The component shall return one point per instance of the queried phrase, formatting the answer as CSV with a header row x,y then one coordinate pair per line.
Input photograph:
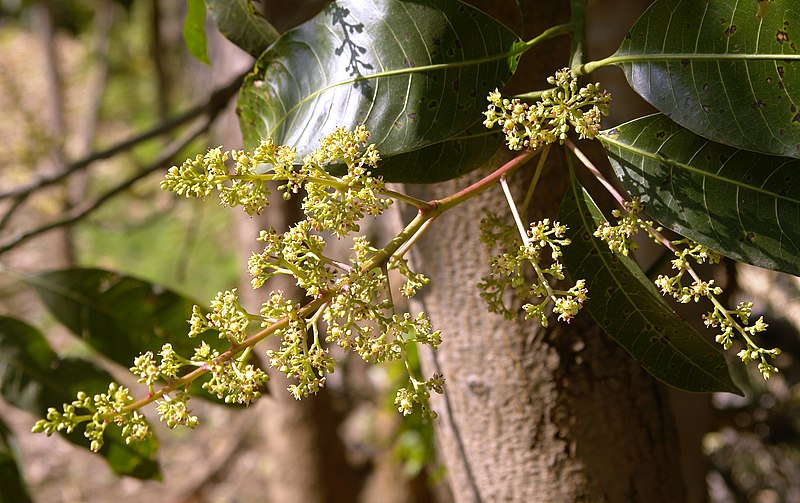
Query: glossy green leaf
x,y
720,70
118,315
631,311
743,204
14,488
441,161
243,25
33,378
194,30
416,73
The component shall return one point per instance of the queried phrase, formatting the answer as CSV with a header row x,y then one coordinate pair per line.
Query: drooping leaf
x,y
728,70
743,204
416,73
631,311
33,378
118,315
14,488
194,30
121,316
243,24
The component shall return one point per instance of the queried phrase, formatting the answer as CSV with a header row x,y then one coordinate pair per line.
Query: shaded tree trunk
x,y
560,415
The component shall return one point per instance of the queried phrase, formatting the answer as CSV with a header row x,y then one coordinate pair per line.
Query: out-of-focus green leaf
x,y
33,378
121,316
743,204
416,73
631,311
14,489
243,25
194,30
728,70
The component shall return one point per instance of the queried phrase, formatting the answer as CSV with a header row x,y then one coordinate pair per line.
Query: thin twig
x,y
78,212
211,108
595,172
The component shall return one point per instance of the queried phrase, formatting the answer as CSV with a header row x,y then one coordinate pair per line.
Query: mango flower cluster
x,y
529,267
548,120
729,322
351,304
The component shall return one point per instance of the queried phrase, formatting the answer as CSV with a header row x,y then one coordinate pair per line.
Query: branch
x,y
78,212
211,108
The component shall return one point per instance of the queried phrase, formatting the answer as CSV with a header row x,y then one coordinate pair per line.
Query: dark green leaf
x,y
33,378
451,158
631,311
416,73
743,204
14,488
243,25
194,30
720,70
118,315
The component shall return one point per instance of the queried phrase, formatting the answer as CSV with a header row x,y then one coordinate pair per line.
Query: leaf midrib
x,y
620,59
521,48
649,155
661,305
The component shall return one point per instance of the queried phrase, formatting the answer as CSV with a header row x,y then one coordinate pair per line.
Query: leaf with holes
x,y
416,73
725,69
743,204
631,311
33,378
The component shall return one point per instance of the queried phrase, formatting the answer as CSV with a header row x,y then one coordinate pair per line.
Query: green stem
x,y
587,68
533,95
535,181
552,32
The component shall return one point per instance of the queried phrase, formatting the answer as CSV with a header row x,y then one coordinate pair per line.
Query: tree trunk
x,y
560,415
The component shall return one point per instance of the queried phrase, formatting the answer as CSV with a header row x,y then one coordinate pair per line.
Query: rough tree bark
x,y
560,415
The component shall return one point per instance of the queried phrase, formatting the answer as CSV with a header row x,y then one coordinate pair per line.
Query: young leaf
x,y
743,204
243,25
727,70
194,30
33,378
14,488
416,73
631,311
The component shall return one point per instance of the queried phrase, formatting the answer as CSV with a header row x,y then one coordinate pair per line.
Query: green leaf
x,y
450,158
14,488
194,30
720,70
416,73
631,311
33,378
119,316
743,204
243,25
